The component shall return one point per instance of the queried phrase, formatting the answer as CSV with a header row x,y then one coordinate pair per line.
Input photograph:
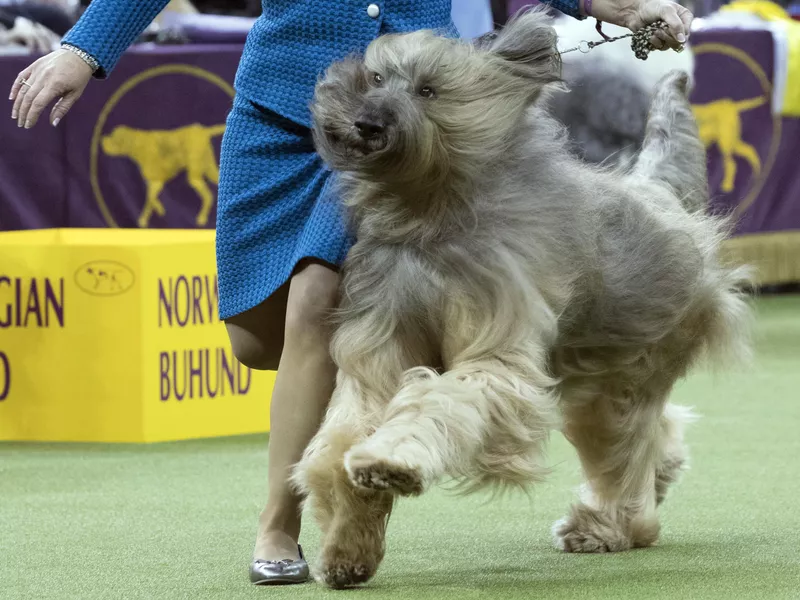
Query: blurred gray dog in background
x,y
609,90
501,288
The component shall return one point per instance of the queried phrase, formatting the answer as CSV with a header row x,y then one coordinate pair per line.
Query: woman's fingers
x,y
39,104
24,90
34,96
686,17
657,41
677,29
662,40
18,85
62,107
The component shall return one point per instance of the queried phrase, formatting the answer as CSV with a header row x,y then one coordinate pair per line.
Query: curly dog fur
x,y
501,288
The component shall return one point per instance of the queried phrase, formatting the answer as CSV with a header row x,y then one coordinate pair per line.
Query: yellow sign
x,y
113,336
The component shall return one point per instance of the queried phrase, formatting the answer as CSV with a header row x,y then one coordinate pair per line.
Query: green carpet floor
x,y
177,520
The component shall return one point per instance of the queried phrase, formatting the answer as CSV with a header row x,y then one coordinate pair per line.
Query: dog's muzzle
x,y
364,140
370,129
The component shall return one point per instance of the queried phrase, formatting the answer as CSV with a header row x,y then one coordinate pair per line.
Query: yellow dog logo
x,y
162,155
720,123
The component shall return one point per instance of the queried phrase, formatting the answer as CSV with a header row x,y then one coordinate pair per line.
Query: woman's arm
x,y
109,27
104,32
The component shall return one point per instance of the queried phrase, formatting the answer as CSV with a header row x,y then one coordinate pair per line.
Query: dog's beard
x,y
407,151
353,146
344,149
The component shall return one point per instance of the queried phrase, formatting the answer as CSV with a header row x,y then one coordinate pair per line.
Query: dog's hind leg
x,y
353,521
206,169
483,420
630,443
672,152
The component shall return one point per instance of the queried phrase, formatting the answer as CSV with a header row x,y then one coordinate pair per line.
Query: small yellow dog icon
x,y
162,155
720,123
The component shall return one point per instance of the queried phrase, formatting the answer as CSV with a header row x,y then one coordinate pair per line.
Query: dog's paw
x,y
372,473
350,562
385,476
343,575
588,531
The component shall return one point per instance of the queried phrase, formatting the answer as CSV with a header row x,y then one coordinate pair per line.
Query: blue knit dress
x,y
275,205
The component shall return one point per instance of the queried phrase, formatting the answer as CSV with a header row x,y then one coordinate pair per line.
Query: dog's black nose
x,y
369,129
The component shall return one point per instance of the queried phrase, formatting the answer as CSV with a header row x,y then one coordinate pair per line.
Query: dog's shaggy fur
x,y
501,288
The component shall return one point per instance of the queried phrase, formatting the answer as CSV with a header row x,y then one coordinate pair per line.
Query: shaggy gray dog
x,y
501,288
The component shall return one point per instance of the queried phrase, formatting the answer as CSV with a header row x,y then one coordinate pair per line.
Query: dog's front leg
x,y
485,420
354,544
353,521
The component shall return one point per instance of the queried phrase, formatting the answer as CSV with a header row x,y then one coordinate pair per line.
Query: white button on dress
x,y
374,11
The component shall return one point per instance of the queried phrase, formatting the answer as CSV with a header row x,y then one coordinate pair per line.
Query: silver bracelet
x,y
85,56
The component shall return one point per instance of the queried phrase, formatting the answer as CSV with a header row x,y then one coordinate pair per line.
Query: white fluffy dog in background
x,y
501,287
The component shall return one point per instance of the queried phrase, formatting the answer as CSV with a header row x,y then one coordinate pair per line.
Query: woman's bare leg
x,y
299,348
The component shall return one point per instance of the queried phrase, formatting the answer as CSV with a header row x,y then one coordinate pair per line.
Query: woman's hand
x,y
60,75
635,14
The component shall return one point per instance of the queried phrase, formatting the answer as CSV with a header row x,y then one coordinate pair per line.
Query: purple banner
x,y
142,149
138,150
752,153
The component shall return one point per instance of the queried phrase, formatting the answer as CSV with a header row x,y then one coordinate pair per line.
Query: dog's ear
x,y
527,44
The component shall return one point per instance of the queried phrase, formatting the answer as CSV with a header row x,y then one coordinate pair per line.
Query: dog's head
x,y
419,104
118,141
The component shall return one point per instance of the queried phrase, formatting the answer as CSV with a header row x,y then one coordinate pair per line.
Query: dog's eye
x,y
427,92
377,79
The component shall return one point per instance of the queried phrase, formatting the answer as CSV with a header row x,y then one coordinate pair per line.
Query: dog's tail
x,y
672,152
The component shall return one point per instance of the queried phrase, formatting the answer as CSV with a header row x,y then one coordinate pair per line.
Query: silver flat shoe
x,y
280,572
